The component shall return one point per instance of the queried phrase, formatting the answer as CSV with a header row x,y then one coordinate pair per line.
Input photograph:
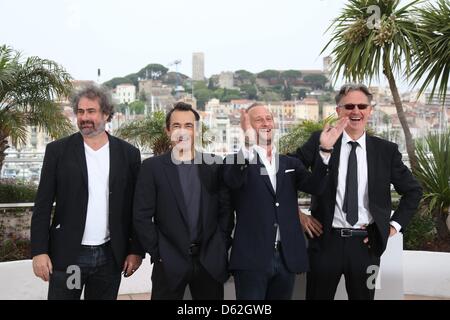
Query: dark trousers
x,y
201,284
339,256
95,271
276,283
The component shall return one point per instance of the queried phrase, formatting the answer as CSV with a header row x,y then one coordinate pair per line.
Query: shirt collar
x,y
361,141
262,152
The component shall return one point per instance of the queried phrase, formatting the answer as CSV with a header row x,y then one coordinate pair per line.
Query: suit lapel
x,y
80,156
334,160
280,167
174,181
371,158
262,171
115,158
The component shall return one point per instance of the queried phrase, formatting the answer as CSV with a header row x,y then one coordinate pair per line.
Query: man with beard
x,y
91,176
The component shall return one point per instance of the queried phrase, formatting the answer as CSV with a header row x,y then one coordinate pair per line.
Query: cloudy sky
x,y
120,37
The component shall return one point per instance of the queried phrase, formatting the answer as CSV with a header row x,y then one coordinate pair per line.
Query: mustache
x,y
82,123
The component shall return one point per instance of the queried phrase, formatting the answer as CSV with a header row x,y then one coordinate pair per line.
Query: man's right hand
x,y
249,132
42,266
311,225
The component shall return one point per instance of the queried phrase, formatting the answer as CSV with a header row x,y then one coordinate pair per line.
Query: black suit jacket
x,y
259,209
385,167
160,211
64,179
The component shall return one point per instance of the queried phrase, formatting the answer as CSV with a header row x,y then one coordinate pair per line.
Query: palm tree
x,y
27,98
432,61
300,133
363,48
149,133
433,171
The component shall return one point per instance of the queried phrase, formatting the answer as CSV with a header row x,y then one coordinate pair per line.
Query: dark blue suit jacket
x,y
259,209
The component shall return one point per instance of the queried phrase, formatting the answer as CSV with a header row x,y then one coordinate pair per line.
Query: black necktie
x,y
350,205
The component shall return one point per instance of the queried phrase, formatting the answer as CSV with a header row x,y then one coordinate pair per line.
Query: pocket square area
x,y
289,170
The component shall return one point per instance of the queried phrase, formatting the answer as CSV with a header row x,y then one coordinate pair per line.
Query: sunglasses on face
x,y
351,106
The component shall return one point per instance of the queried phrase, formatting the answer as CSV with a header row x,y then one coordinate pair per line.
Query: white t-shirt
x,y
96,231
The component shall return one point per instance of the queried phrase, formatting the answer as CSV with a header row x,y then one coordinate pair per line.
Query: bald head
x,y
261,119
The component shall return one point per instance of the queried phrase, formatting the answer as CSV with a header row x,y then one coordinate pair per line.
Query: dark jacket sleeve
x,y
144,210
135,246
312,182
226,218
235,171
407,187
308,152
43,204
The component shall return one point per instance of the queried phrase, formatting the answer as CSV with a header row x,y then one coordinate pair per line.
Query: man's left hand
x,y
392,232
131,264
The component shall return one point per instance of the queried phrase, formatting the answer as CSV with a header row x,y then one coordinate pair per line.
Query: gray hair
x,y
94,92
346,88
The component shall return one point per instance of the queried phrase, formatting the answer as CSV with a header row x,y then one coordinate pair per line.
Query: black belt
x,y
194,249
97,246
346,232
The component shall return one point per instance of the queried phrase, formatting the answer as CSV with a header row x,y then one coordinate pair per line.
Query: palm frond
x,y
433,155
431,65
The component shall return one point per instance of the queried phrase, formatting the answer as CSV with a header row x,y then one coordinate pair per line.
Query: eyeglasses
x,y
351,106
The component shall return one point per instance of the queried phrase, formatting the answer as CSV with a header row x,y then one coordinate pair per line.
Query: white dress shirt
x,y
364,216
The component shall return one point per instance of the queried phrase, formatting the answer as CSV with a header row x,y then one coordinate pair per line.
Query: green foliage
x,y
300,133
150,133
202,95
317,81
14,249
433,172
364,45
250,92
432,61
121,80
362,49
147,133
287,92
16,191
137,107
152,71
301,94
269,74
245,76
291,75
269,96
419,231
28,90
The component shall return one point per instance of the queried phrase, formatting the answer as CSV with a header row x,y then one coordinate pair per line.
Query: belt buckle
x,y
277,245
346,233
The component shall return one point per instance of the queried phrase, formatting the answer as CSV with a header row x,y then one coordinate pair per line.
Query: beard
x,y
88,128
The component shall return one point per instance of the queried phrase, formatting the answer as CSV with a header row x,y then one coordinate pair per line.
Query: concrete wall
x,y
427,273
424,273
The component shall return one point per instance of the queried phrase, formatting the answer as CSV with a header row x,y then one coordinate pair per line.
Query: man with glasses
x,y
351,221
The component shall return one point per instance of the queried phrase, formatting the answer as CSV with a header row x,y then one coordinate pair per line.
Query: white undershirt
x,y
96,231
